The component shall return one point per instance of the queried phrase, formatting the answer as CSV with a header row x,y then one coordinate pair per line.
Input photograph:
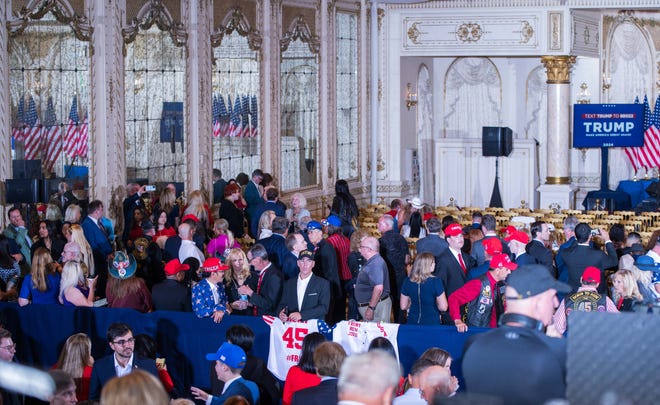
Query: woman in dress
x,y
230,212
47,238
76,359
298,210
75,289
9,272
626,291
422,294
223,240
42,285
304,374
238,275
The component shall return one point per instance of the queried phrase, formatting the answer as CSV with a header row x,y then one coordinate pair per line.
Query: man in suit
x,y
229,362
582,255
270,204
325,259
306,296
98,240
536,248
171,294
64,197
252,195
570,222
488,226
122,362
433,243
453,264
208,296
517,242
275,244
295,243
394,250
328,358
218,186
267,295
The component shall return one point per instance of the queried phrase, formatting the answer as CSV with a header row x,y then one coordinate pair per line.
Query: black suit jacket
x,y
170,295
577,257
325,265
276,247
542,255
450,272
323,394
316,301
270,294
104,370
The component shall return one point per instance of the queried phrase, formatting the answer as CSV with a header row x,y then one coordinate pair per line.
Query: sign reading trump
x,y
608,125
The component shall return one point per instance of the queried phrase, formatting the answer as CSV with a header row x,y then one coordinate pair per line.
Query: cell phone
x,y
149,188
160,362
595,232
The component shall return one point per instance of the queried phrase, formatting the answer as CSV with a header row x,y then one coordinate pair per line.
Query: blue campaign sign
x,y
608,125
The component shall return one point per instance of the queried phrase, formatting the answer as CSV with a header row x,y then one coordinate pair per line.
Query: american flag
x,y
82,147
33,138
216,117
223,116
254,118
649,154
71,136
245,115
235,125
52,136
19,124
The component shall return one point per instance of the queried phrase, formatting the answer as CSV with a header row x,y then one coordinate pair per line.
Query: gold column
x,y
558,70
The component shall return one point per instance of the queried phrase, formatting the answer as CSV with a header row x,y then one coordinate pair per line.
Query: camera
x,y
149,188
595,232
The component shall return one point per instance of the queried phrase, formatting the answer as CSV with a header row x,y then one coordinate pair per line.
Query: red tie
x,y
461,262
261,277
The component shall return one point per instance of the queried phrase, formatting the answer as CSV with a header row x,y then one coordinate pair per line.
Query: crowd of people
x,y
247,253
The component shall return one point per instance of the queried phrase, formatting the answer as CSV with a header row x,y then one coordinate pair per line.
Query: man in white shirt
x,y
188,247
369,378
306,296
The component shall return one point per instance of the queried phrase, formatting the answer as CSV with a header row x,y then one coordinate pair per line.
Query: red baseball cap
x,y
502,260
174,266
492,246
453,230
519,236
591,275
190,216
213,264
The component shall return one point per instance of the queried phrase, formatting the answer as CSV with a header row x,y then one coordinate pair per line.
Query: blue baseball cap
x,y
332,220
229,354
311,225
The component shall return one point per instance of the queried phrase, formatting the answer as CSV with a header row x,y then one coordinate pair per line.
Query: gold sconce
x,y
411,97
607,83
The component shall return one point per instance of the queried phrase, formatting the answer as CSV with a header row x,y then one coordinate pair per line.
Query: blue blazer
x,y
98,241
276,247
104,370
252,198
433,244
237,387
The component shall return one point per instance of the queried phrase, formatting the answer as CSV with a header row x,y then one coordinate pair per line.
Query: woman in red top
x,y
163,227
304,374
76,359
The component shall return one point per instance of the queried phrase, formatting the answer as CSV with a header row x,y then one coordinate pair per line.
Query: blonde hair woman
x,y
78,236
75,291
197,206
626,291
42,285
238,275
76,359
422,294
265,224
138,387
73,214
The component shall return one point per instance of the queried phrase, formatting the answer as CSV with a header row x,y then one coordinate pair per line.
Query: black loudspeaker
x,y
23,190
26,169
496,141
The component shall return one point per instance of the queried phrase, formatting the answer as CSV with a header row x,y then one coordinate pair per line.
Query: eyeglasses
x,y
365,247
124,341
9,347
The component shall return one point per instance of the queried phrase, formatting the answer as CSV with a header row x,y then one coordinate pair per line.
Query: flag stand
x,y
496,197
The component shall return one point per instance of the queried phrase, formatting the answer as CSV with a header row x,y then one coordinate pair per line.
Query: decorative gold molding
x,y
381,16
236,20
557,180
414,33
155,12
558,68
62,11
299,29
527,31
380,90
469,32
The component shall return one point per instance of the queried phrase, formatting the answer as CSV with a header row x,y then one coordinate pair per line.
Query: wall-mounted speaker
x,y
23,190
496,141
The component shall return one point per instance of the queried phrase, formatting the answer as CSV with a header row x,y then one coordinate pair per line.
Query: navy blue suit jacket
x,y
316,301
104,370
276,247
237,387
433,244
98,241
323,394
